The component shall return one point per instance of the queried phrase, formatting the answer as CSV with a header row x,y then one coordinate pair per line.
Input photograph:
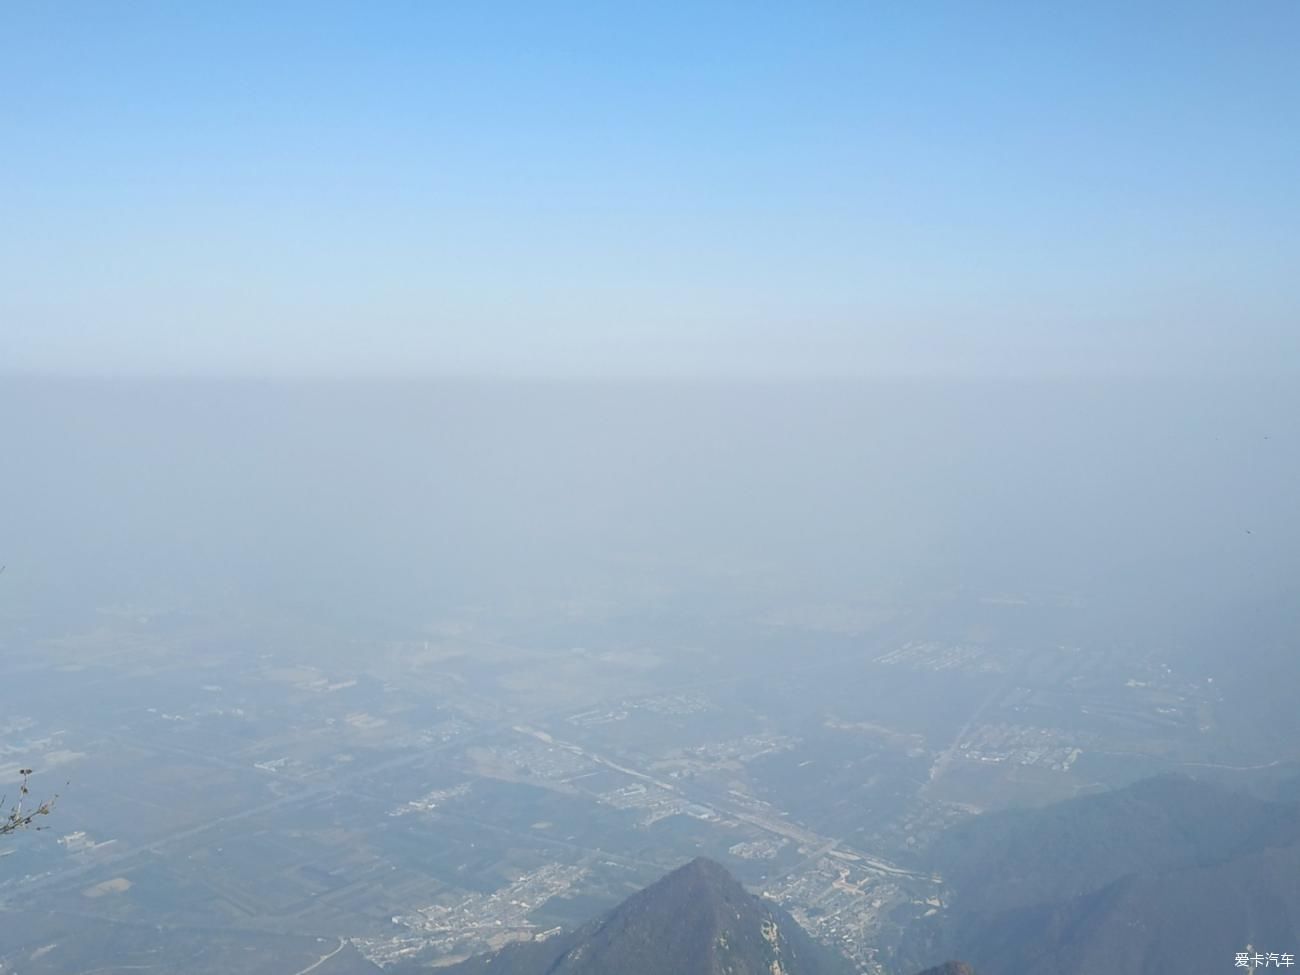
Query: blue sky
x,y
621,188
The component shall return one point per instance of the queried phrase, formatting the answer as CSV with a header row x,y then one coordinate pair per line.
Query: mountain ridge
x,y
1168,873
696,920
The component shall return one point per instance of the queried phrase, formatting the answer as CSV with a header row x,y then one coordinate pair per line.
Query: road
x,y
773,824
322,959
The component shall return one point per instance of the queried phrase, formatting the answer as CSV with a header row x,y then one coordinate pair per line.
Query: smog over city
x,y
799,489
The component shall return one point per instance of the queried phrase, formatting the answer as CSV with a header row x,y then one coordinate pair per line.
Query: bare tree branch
x,y
20,815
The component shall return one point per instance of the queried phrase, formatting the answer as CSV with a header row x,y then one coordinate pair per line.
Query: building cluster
x,y
475,922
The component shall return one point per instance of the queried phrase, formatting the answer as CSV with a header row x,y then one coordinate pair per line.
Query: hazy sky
x,y
616,188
